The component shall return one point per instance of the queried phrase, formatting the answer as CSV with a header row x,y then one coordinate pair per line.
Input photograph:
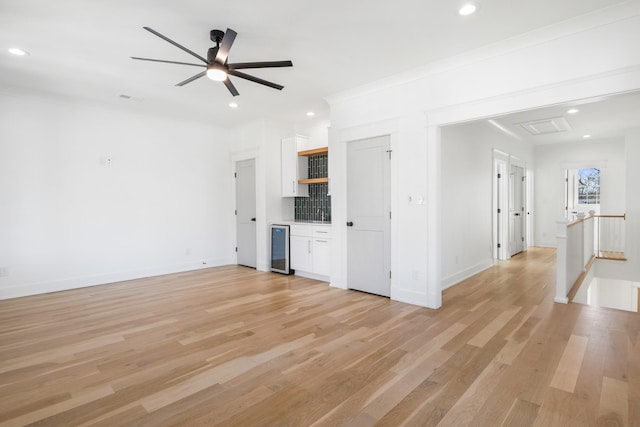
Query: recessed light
x,y
18,52
468,9
233,105
572,111
310,114
587,136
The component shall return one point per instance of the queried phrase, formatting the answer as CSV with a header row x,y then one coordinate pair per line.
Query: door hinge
x,y
499,245
523,238
523,179
389,214
236,212
499,210
389,151
236,249
235,174
499,176
389,274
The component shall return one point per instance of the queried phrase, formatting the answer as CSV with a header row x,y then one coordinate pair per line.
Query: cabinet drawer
x,y
321,231
301,230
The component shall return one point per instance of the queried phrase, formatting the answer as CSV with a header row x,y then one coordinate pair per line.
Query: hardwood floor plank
x,y
492,328
567,371
522,413
614,403
234,346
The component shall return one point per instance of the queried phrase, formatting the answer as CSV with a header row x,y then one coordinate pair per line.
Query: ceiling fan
x,y
217,67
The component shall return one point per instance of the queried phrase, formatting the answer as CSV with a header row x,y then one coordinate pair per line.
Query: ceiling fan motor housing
x,y
216,36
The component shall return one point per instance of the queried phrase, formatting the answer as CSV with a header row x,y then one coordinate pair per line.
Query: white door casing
x,y
246,212
516,210
368,215
500,209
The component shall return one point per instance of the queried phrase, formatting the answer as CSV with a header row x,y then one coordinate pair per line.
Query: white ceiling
x,y
601,118
80,48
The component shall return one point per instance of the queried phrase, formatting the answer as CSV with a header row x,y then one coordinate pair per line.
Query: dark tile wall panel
x,y
311,208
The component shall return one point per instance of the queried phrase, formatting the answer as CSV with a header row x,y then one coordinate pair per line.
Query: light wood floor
x,y
235,347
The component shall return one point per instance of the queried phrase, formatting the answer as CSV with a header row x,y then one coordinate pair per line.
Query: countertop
x,y
301,221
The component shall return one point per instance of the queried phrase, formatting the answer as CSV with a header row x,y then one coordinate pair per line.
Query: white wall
x,y
540,68
467,202
629,270
69,219
551,162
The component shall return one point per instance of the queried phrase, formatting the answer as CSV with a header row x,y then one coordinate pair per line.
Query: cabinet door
x,y
322,256
294,168
301,258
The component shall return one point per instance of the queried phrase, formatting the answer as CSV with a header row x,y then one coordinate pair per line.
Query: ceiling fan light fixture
x,y
216,72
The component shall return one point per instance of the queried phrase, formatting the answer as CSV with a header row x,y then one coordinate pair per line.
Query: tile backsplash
x,y
311,208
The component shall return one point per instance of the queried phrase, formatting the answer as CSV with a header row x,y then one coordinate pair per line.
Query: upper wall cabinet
x,y
294,168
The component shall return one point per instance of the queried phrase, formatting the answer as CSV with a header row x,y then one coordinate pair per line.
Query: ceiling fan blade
x,y
168,62
231,87
255,79
225,46
190,79
265,64
179,46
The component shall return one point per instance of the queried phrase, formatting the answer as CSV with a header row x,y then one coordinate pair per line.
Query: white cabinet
x,y
311,249
301,258
322,256
294,168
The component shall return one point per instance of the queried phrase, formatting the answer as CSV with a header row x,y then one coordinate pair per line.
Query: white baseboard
x,y
547,244
410,297
58,285
458,277
564,300
312,276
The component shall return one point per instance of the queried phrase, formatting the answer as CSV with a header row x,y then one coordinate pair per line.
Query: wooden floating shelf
x,y
311,152
313,181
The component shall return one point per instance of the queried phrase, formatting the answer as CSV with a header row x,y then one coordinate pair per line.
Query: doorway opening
x,y
512,196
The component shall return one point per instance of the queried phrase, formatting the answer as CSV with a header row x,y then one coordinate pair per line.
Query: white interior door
x,y
516,210
246,212
368,216
500,209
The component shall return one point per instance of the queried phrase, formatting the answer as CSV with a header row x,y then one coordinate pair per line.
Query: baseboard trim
x,y
547,244
456,278
410,297
312,276
22,290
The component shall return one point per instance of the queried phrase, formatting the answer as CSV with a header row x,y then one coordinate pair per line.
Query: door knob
x,y
349,224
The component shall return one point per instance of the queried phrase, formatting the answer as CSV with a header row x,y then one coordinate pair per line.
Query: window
x,y
588,186
582,190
